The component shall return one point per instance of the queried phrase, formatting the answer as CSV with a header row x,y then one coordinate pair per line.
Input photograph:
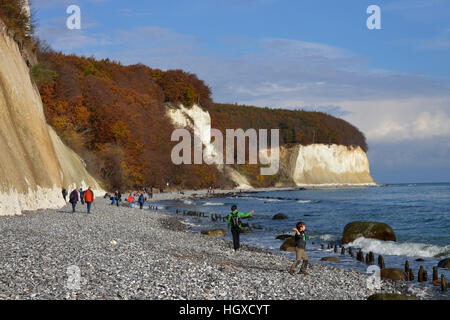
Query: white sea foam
x,y
304,201
190,224
327,237
271,200
188,202
214,204
323,237
421,250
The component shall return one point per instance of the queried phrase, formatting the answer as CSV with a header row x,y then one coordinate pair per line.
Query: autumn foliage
x,y
114,116
16,19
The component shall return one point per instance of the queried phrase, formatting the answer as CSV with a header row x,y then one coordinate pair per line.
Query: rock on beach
x,y
214,233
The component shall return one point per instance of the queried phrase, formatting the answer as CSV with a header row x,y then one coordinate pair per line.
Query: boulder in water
x,y
444,263
279,216
214,233
372,230
393,274
288,245
330,259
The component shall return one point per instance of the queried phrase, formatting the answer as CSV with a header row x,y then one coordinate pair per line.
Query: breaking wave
x,y
409,249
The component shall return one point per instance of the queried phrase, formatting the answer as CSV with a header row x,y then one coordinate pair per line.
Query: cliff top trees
x,y
16,18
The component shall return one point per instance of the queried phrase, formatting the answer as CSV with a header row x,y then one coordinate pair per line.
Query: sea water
x,y
419,214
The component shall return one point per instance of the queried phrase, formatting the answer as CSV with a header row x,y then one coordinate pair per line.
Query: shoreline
x,y
128,253
203,193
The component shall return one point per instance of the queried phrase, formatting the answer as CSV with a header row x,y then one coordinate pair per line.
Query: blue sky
x,y
393,83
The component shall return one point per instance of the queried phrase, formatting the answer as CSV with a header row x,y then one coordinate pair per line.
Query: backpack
x,y
235,221
72,196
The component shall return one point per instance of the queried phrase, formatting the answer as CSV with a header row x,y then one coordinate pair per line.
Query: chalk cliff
x,y
316,164
320,164
34,163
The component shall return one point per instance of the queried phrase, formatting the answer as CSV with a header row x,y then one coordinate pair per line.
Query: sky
x,y
392,83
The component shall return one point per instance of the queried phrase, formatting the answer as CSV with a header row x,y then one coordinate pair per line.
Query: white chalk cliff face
x,y
199,120
34,162
321,164
316,164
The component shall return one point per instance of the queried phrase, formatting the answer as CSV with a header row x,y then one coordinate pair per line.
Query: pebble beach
x,y
128,253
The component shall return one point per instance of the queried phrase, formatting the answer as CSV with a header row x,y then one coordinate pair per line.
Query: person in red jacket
x,y
130,200
88,198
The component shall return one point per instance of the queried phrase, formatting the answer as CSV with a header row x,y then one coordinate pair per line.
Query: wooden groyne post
x,y
410,274
420,274
381,262
443,284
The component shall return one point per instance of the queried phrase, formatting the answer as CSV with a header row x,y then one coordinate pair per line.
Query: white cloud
x,y
397,120
63,39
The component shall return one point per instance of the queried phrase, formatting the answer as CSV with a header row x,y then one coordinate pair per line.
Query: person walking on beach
x,y
118,197
141,200
81,196
88,196
300,245
64,194
234,220
73,199
130,200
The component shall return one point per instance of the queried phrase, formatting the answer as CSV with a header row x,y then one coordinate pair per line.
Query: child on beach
x,y
235,222
300,245
81,196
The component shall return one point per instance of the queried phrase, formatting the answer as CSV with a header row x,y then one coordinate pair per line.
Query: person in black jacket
x,y
118,197
141,200
300,245
64,193
73,199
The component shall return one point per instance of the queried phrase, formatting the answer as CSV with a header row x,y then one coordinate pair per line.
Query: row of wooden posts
x,y
422,275
214,216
